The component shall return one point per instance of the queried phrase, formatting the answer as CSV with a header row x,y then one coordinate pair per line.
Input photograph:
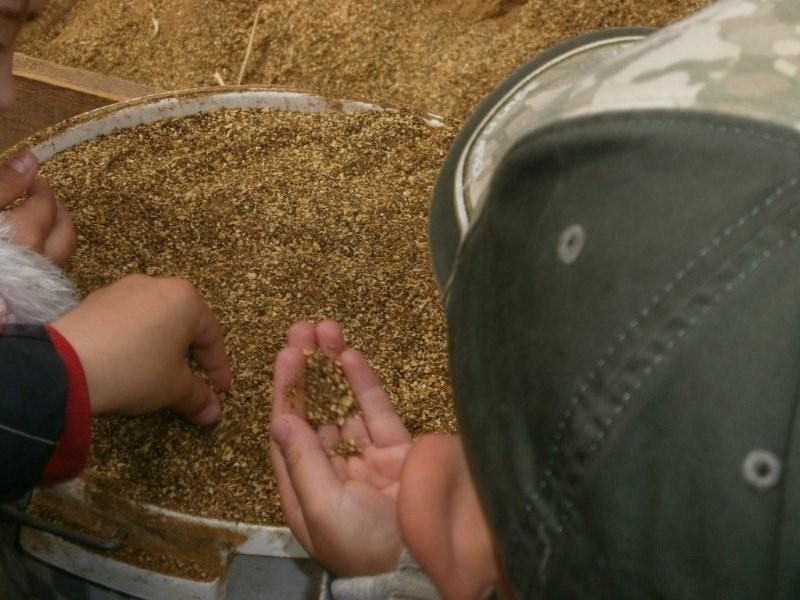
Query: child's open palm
x,y
342,510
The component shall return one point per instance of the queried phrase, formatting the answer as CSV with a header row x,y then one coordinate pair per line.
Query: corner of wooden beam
x,y
94,84
48,93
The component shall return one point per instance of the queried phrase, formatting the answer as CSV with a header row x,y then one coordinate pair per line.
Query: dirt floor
x,y
439,55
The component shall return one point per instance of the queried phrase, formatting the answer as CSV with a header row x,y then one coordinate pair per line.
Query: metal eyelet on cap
x,y
761,470
570,244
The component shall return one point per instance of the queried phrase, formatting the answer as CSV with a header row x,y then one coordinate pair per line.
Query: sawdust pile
x,y
275,217
327,397
439,55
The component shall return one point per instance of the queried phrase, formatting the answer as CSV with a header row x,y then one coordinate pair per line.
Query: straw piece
x,y
218,78
249,50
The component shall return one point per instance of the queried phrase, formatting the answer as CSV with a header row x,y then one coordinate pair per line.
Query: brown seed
x,y
346,449
441,55
261,213
326,395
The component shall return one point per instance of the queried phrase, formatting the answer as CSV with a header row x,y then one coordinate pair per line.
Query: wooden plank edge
x,y
106,87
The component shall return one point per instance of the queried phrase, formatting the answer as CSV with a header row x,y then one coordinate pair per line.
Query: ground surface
x,y
439,55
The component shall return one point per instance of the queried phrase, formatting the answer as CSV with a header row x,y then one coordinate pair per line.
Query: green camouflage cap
x,y
616,231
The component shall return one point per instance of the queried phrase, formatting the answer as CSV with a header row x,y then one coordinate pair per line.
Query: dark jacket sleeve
x,y
44,410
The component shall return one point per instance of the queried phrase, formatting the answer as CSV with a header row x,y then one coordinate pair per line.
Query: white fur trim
x,y
33,290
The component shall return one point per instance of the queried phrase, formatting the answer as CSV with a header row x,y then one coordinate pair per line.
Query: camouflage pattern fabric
x,y
737,57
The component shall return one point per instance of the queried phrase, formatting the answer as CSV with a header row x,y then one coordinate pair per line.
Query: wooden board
x,y
48,93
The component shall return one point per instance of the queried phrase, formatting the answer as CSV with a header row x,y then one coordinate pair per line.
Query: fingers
x,y
289,502
42,223
354,429
289,371
198,403
388,462
208,348
289,374
33,220
330,338
360,469
312,477
16,176
62,239
290,367
305,336
301,335
380,418
382,423
329,437
339,465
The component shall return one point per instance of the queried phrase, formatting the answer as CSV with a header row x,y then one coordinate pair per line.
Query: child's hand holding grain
x,y
40,222
133,338
342,510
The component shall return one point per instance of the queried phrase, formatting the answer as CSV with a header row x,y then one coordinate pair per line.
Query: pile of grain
x,y
439,55
275,217
327,397
152,542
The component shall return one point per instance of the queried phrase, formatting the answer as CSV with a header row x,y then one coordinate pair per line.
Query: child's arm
x,y
122,350
44,412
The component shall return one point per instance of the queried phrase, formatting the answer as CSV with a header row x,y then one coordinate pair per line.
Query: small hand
x,y
343,511
132,339
41,222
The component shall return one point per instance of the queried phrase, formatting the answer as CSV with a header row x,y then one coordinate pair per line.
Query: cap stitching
x,y
633,324
568,515
736,276
708,301
582,122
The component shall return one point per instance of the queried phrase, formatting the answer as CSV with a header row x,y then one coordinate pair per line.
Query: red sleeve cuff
x,y
72,452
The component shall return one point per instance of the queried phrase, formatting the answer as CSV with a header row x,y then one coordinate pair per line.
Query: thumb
x,y
16,176
307,464
199,404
